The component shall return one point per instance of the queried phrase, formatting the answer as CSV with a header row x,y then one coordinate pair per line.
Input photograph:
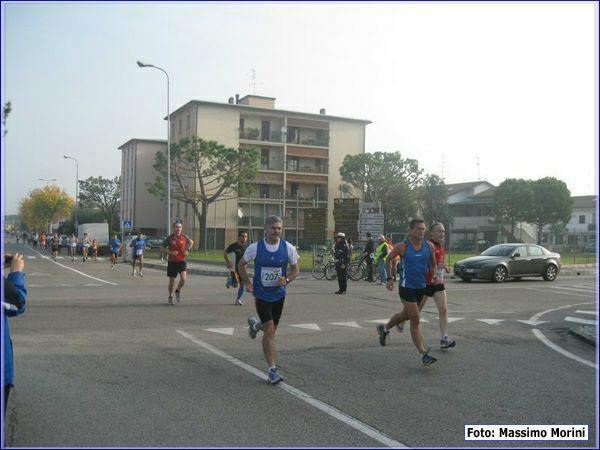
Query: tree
x,y
512,202
102,194
552,204
5,112
432,198
45,206
387,178
201,172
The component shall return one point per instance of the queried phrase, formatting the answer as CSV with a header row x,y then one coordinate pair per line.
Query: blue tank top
x,y
414,266
268,267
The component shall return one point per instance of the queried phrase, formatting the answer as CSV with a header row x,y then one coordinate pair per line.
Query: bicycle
x,y
319,268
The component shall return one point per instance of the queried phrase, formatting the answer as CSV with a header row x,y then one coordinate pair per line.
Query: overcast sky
x,y
511,84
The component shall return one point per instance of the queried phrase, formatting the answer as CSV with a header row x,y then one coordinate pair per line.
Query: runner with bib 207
x,y
271,257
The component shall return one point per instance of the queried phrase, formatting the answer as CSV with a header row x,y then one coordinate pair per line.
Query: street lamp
x,y
76,190
143,65
47,180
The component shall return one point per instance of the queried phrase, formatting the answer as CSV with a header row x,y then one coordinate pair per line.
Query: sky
x,y
471,90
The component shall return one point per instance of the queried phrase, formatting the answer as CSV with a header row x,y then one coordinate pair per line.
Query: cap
x,y
341,235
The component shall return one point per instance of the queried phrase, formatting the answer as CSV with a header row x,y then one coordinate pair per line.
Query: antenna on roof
x,y
253,81
478,169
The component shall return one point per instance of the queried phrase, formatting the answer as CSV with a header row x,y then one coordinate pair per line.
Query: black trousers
x,y
369,263
341,276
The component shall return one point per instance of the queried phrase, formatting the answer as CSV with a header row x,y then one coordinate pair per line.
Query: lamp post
x,y
47,180
143,65
76,190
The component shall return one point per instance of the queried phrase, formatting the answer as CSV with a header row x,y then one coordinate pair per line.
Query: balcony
x,y
323,142
254,134
307,169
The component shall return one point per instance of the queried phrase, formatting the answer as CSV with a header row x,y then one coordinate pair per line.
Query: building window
x,y
264,190
241,123
187,126
179,126
173,129
582,219
293,164
293,190
264,158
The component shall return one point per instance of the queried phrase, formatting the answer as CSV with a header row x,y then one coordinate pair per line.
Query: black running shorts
x,y
412,295
174,268
269,311
431,289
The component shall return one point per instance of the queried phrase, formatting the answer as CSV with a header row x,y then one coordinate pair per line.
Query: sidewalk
x,y
586,333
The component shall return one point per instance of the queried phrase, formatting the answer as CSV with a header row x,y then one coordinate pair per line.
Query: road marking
x,y
540,314
534,323
491,321
36,285
80,273
453,319
538,334
546,291
38,274
307,326
92,284
31,257
65,285
227,331
573,288
585,312
346,324
327,409
578,320
379,321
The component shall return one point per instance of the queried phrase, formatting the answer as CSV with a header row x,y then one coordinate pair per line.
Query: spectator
x,y
368,252
13,304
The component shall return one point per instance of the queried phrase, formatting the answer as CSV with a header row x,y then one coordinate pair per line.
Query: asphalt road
x,y
101,364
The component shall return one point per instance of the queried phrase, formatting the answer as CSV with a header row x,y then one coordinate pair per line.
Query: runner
x,y
115,247
43,241
73,241
86,241
437,291
177,246
55,246
138,245
95,249
236,250
417,255
271,257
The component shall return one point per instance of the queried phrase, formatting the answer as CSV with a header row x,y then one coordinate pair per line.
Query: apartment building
x,y
300,157
580,231
146,212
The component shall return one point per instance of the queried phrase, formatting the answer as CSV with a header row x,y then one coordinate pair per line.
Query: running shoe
x,y
252,327
273,376
141,274
133,274
447,343
170,301
382,334
400,327
178,296
239,302
228,282
427,359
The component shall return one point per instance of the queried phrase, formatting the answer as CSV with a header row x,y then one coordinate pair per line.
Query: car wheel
x,y
550,272
500,274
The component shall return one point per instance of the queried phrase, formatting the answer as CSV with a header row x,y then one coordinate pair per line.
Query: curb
x,y
583,334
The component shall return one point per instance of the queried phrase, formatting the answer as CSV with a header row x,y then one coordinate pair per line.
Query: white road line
x,y
555,292
578,320
491,321
227,331
327,409
538,334
585,312
346,324
573,288
92,284
540,314
80,273
307,326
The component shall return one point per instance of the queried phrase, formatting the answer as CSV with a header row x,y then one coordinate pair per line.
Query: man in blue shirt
x,y
115,246
138,245
271,257
418,256
13,304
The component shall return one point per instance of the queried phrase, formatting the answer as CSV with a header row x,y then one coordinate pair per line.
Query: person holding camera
x,y
13,304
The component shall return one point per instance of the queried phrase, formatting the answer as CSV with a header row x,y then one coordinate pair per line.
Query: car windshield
x,y
499,250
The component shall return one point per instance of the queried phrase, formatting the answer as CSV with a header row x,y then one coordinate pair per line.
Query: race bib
x,y
270,275
139,251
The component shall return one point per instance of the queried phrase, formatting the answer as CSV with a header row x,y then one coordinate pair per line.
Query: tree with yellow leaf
x,y
44,206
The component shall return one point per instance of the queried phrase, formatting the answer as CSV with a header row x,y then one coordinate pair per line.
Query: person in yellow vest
x,y
381,252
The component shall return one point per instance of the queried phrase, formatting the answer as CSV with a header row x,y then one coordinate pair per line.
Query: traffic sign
x,y
127,224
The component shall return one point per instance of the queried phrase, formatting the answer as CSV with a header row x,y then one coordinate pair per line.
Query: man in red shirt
x,y
176,246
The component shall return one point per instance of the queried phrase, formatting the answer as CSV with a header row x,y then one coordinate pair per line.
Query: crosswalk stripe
x,y
307,326
578,320
534,323
454,319
585,312
346,324
491,321
379,321
227,331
